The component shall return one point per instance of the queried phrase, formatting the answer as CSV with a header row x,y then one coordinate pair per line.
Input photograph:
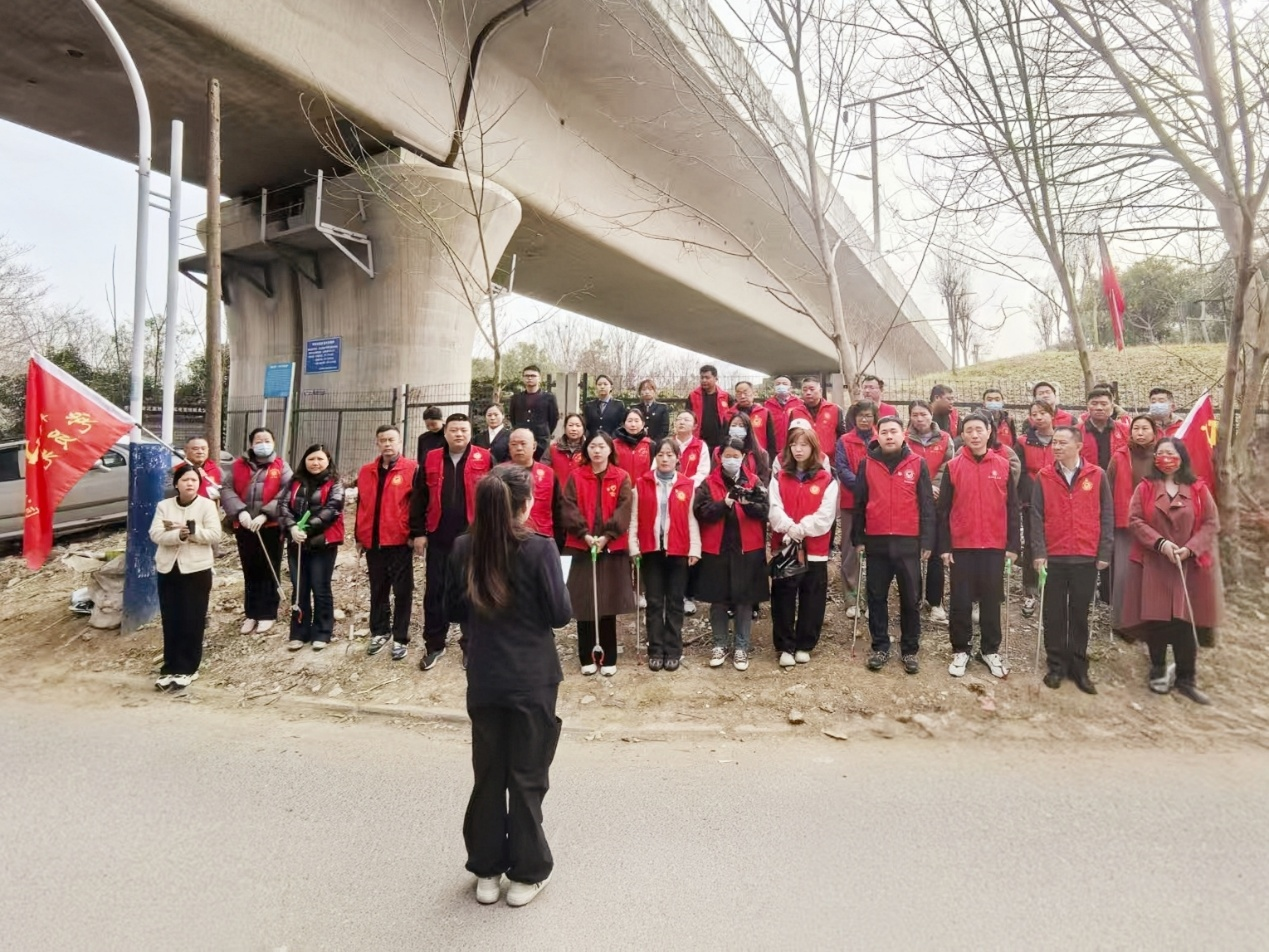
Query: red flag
x,y
1198,431
68,428
1114,294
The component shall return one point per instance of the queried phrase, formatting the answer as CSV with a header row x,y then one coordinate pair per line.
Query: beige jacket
x,y
195,553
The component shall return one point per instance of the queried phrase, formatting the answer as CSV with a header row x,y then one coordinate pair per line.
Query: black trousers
x,y
260,585
883,569
664,585
310,581
435,623
513,741
797,608
607,640
935,576
1068,595
978,575
1180,636
183,608
391,570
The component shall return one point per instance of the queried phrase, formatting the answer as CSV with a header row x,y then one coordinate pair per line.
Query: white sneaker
x,y
960,661
643,601
488,889
802,657
165,681
294,644
689,606
607,671
248,626
740,660
1028,606
521,894
938,615
786,660
717,657
589,669
184,680
996,665
263,626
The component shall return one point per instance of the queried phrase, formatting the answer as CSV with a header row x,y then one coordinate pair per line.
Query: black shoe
x,y
877,660
464,660
1084,684
1187,689
672,664
398,651
654,664
910,664
1053,680
430,659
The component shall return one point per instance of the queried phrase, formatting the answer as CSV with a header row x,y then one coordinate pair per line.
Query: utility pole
x,y
875,175
215,397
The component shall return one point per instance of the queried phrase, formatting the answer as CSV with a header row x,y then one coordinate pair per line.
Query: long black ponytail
x,y
496,533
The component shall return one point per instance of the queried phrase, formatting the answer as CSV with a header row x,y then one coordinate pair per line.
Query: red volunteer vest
x,y
678,537
893,509
824,423
1005,434
690,458
1072,516
1121,489
635,460
587,485
1036,458
334,533
563,464
780,417
753,532
800,499
243,472
934,454
541,519
478,463
1062,417
886,409
758,417
1118,439
394,511
856,450
980,501
696,402
210,473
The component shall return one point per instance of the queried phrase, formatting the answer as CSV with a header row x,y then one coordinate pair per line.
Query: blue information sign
x,y
277,380
321,355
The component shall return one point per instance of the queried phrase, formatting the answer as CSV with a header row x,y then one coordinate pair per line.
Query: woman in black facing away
x,y
505,587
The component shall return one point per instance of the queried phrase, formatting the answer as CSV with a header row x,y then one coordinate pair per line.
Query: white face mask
x,y
731,465
994,405
782,390
263,449
1160,409
736,432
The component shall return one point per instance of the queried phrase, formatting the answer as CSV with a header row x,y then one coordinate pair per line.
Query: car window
x,y
113,460
9,470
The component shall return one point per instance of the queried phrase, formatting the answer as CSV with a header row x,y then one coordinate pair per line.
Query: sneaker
x,y
589,669
1188,689
607,670
1162,679
938,615
294,644
786,660
689,606
184,680
488,889
521,894
319,645
995,664
248,626
1028,606
877,660
911,664
263,626
398,651
165,681
740,660
717,657
430,658
960,661
376,643
801,657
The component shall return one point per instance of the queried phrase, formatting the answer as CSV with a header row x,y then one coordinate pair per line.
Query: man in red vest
x,y
1047,393
827,419
894,527
782,406
209,474
943,409
709,404
1103,434
979,516
1163,412
544,513
1072,536
871,389
384,489
444,503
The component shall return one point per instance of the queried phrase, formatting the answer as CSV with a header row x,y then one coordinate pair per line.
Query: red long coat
x,y
1152,591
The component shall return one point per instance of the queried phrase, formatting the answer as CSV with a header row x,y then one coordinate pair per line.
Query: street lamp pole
x,y
875,173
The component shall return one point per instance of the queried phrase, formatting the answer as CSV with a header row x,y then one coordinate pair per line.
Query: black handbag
x,y
785,563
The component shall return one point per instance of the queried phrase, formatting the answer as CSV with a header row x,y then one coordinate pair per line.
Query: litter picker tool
x,y
1189,608
638,562
1008,618
597,650
296,611
1043,573
272,569
859,589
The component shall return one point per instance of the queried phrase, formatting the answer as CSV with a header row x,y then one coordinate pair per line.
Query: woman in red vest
x,y
634,447
666,538
1035,453
1173,594
803,505
251,498
1129,465
317,491
595,514
566,452
935,447
732,508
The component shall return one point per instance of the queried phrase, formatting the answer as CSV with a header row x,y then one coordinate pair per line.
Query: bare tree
x,y
31,320
1046,315
951,280
1197,76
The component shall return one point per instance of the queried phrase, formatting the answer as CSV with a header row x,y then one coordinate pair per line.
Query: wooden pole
x,y
215,395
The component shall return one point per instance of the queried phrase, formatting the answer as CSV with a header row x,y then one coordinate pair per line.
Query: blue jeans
x,y
743,619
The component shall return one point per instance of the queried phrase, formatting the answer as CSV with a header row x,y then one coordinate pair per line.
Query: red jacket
x,y
1072,515
242,473
1006,435
1062,417
690,458
753,532
678,535
564,463
1036,457
541,516
886,409
893,507
394,511
800,499
696,401
587,485
978,517
479,462
856,449
334,533
635,460
826,422
780,417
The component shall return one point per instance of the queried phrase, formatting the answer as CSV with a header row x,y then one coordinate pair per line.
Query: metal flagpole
x,y
171,319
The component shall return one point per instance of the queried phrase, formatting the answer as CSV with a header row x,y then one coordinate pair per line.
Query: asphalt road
x,y
178,826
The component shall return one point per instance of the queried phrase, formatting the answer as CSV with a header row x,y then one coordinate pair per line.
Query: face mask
x,y
731,466
263,449
782,391
994,405
1160,409
736,432
1167,464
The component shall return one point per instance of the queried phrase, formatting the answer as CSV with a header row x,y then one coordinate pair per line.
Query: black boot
x,y
1186,688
